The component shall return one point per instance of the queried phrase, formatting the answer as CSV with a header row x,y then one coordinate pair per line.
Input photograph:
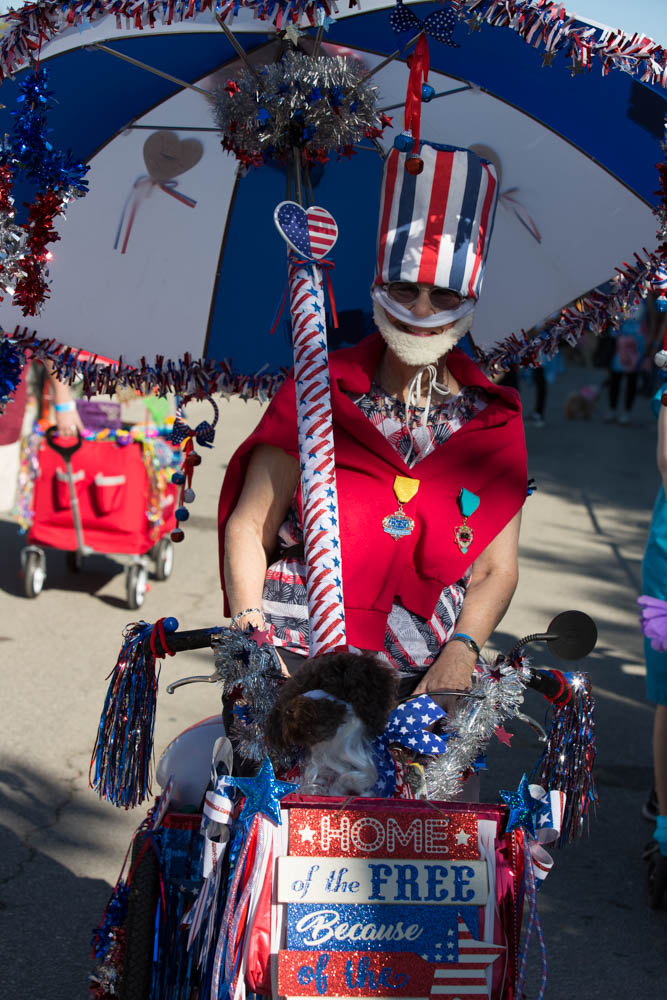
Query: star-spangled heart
x,y
440,24
409,724
311,232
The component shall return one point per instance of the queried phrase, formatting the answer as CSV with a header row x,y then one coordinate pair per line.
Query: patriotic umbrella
x,y
173,252
171,263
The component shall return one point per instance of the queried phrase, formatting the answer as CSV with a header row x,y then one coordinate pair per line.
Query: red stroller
x,y
104,496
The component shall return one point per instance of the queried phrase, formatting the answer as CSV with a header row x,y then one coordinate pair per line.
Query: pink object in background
x,y
654,621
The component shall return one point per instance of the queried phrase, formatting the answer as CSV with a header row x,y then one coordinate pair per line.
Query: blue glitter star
x,y
263,793
522,808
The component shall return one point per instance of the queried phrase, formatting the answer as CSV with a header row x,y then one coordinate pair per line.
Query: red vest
x,y
487,456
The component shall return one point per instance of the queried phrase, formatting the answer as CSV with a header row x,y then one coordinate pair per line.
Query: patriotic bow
x,y
408,725
540,814
203,433
439,25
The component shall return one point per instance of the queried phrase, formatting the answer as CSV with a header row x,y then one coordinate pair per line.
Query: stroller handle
x,y
66,450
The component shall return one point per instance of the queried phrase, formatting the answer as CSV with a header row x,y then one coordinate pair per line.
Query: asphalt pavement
x,y
582,540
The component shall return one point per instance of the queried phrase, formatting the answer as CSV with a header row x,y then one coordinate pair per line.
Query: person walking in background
x,y
654,584
626,362
65,416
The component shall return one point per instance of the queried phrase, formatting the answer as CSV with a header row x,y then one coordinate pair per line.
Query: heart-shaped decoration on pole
x,y
311,232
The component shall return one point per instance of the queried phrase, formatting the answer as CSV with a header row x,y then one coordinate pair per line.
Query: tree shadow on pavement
x,y
47,912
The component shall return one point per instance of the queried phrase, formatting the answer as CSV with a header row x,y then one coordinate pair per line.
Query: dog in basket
x,y
332,708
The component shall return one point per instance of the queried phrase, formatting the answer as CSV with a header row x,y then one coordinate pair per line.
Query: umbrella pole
x,y
324,587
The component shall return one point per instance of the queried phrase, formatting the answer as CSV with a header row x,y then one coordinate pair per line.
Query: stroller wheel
x,y
164,559
34,572
656,875
136,580
74,561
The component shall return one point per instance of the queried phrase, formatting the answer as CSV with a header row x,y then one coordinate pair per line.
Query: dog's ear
x,y
372,690
302,722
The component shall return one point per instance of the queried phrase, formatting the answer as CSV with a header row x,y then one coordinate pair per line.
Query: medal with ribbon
x,y
463,534
398,524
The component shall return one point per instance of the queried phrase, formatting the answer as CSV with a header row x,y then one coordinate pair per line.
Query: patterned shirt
x,y
411,643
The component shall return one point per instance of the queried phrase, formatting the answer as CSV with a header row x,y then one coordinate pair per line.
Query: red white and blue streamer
x,y
324,585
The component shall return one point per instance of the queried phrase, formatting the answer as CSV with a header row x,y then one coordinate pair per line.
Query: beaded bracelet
x,y
248,611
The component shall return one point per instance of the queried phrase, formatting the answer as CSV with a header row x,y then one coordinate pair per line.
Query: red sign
x,y
406,833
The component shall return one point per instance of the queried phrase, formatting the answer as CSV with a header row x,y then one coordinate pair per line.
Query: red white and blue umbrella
x,y
173,252
172,264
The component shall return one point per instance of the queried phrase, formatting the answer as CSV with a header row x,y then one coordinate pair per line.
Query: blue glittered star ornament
x,y
522,808
263,793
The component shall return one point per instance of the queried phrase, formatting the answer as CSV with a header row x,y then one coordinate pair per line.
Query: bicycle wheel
x,y
140,923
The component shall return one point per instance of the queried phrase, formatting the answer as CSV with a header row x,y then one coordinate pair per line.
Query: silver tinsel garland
x,y
13,249
473,725
313,103
256,671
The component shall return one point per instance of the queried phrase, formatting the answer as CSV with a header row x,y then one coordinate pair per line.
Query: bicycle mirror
x,y
574,635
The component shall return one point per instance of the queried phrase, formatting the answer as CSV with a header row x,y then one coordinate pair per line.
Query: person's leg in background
x,y
540,381
631,381
614,393
660,770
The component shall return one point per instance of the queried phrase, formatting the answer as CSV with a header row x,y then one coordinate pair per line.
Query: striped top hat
x,y
435,226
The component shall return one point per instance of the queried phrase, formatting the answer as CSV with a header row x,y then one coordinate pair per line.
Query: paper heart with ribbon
x,y
166,157
440,24
310,232
408,725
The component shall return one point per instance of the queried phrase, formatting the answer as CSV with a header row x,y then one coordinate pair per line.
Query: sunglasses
x,y
406,294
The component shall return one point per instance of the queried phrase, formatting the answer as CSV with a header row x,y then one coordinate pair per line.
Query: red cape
x,y
487,456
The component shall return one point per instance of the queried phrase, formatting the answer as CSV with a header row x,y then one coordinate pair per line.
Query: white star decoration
x,y
307,834
462,837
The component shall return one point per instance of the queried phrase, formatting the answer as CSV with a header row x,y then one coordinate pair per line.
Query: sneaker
x,y
624,417
650,807
537,420
610,417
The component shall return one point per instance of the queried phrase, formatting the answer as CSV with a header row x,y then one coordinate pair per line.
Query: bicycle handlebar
x,y
551,684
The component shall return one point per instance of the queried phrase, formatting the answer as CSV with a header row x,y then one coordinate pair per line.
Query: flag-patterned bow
x,y
203,433
408,725
439,24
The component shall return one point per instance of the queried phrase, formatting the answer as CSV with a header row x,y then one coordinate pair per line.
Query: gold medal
x,y
398,524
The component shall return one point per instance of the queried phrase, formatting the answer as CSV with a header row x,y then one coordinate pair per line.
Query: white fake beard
x,y
418,351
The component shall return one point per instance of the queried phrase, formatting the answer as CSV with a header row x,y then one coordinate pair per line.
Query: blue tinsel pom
x,y
10,369
28,146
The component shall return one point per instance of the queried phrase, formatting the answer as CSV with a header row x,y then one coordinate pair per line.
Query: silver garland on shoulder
x,y
471,727
313,103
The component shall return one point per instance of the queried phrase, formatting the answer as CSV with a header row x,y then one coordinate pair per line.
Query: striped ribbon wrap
x,y
324,586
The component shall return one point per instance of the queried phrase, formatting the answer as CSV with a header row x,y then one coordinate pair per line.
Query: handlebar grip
x,y
180,642
552,684
66,450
